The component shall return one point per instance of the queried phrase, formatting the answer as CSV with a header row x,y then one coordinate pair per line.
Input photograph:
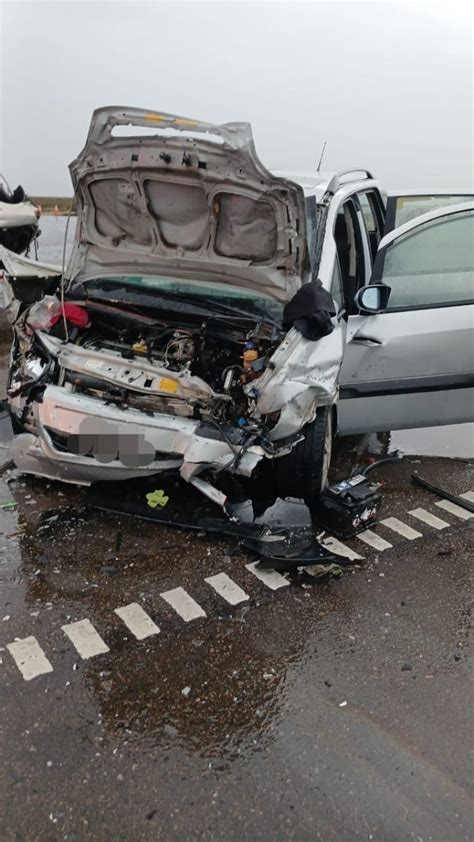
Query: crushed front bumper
x,y
80,439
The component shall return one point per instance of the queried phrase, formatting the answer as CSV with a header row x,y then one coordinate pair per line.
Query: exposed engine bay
x,y
117,383
196,368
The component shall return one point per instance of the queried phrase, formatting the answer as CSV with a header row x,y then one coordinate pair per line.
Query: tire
x,y
304,471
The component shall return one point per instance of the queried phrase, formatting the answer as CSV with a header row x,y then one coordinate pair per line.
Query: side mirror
x,y
373,298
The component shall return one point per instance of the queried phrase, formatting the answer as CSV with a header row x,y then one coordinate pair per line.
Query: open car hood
x,y
192,200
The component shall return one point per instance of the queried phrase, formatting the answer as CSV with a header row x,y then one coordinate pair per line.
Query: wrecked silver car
x,y
215,318
168,342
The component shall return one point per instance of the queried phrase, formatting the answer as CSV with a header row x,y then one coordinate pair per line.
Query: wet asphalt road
x,y
333,709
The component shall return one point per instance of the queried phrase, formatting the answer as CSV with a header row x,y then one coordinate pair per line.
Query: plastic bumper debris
x,y
277,546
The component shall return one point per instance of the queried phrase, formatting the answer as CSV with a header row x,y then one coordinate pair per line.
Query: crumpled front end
x,y
122,396
78,439
115,399
74,431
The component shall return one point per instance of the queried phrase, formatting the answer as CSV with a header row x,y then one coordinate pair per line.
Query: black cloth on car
x,y
14,198
310,311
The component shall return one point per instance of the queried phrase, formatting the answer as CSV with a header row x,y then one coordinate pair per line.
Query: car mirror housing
x,y
373,298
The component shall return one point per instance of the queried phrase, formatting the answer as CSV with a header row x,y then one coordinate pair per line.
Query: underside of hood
x,y
192,200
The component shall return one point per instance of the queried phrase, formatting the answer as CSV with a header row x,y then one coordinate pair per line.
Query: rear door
x,y
412,365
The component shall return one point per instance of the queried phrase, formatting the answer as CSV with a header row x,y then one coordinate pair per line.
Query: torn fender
x,y
300,366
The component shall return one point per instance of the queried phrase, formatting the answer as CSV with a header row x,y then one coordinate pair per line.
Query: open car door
x,y
409,361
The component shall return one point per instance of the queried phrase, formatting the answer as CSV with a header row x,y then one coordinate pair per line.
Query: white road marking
x,y
402,528
183,604
227,588
137,620
468,495
340,548
29,657
373,540
427,517
271,578
85,639
453,509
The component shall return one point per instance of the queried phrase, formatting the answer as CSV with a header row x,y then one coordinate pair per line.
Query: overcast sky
x,y
388,85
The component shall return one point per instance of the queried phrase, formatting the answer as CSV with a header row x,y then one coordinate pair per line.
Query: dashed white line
x,y
453,509
85,639
271,578
428,518
227,588
137,620
31,660
29,657
402,528
183,604
338,547
373,540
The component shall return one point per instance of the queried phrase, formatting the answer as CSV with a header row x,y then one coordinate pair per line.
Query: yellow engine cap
x,y
167,385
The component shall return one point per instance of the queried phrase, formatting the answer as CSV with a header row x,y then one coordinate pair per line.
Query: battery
x,y
348,507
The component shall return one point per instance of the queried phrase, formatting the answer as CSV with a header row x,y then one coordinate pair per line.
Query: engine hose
x,y
233,463
231,368
392,457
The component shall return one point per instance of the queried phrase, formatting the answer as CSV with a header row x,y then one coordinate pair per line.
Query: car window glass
x,y
409,207
433,264
348,239
310,208
367,203
369,216
336,286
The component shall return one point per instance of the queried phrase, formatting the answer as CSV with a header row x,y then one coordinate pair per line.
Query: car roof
x,y
311,181
315,183
431,191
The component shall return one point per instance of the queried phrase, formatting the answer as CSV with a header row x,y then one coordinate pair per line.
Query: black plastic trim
x,y
462,303
409,386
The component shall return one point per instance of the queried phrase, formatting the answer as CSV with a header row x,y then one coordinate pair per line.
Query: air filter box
x,y
348,507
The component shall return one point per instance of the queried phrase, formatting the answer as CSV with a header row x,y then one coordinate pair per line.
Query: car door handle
x,y
366,340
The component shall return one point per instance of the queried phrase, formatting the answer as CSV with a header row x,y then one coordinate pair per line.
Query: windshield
x,y
202,292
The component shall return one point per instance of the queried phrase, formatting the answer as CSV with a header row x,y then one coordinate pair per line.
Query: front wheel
x,y
304,471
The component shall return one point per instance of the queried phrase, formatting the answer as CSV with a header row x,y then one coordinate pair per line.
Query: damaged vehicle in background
x,y
18,218
215,317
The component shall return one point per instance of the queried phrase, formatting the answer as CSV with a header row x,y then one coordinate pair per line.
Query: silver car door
x,y
412,364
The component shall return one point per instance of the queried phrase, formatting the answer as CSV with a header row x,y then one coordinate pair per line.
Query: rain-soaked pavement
x,y
332,709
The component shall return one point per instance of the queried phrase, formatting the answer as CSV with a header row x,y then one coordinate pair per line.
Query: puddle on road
x,y
456,440
453,441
